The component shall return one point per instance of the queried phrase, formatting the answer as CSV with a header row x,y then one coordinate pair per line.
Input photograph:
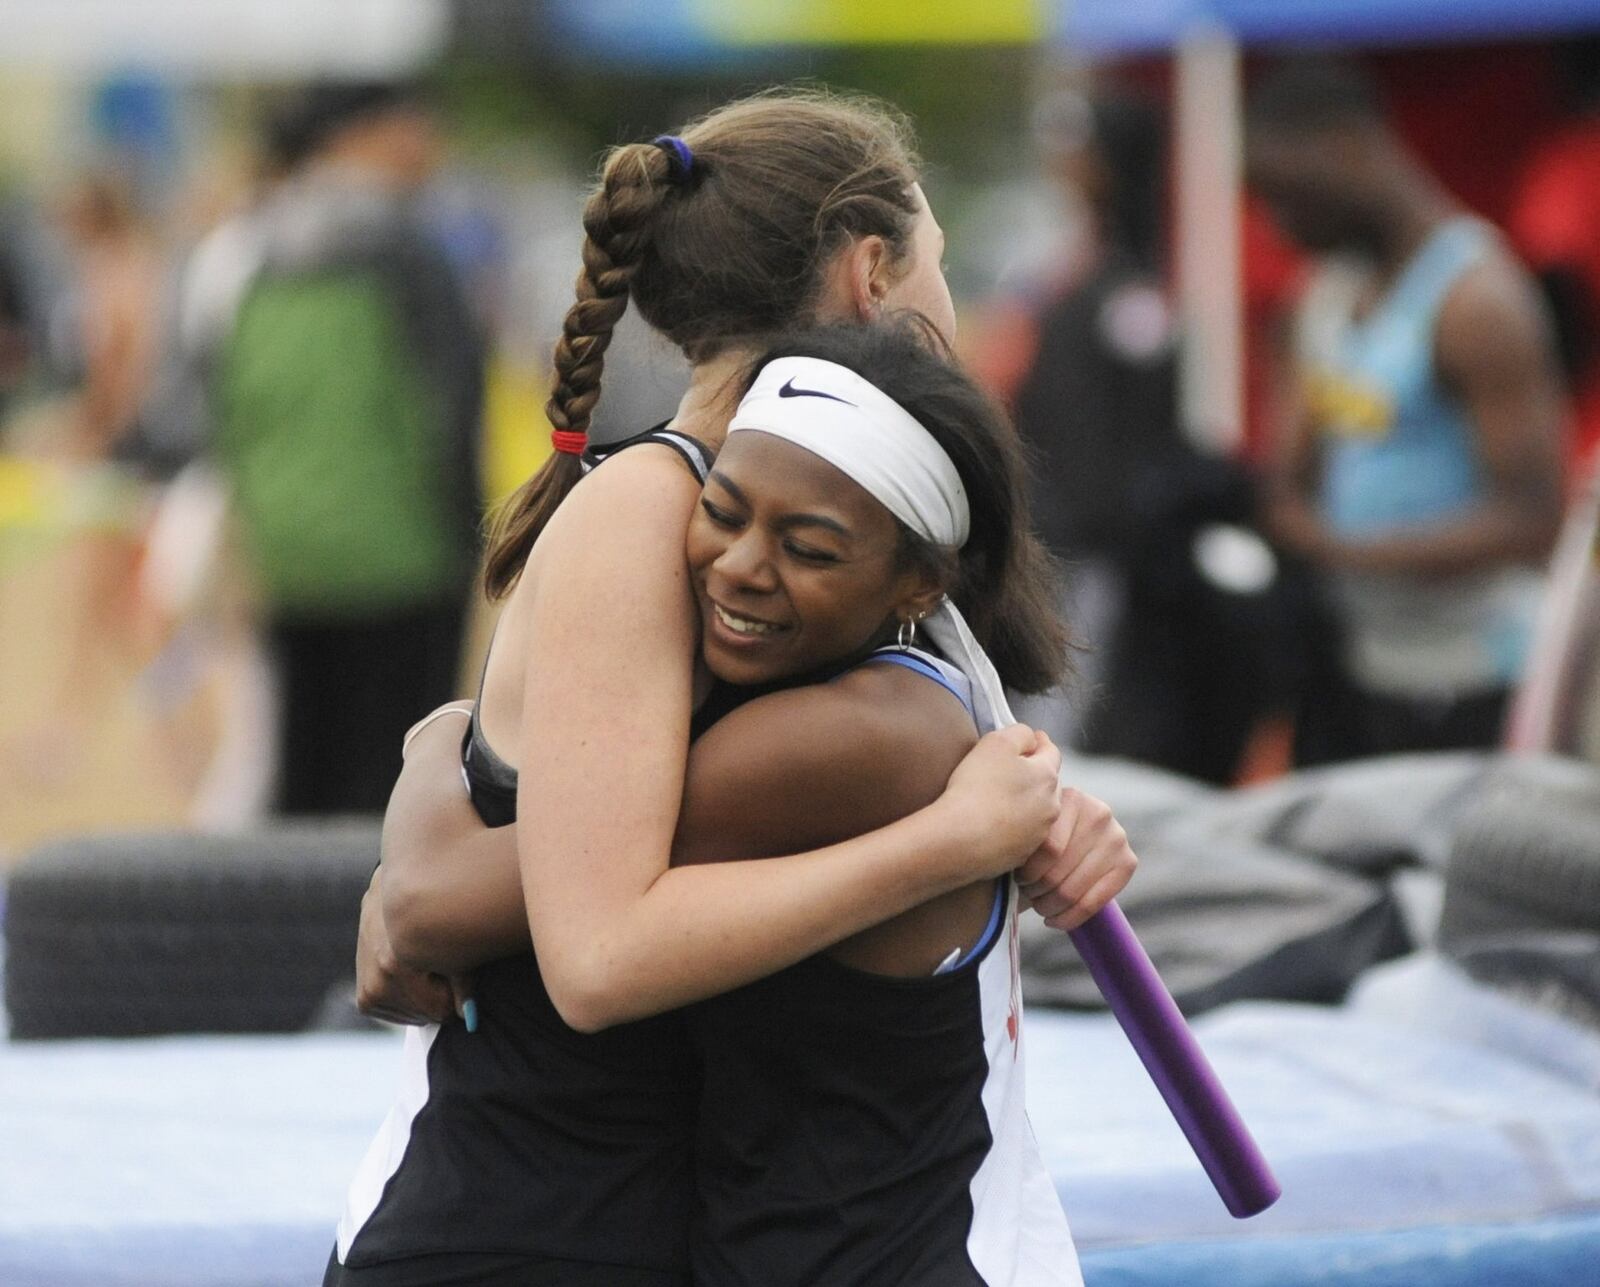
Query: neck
x,y
1416,207
713,395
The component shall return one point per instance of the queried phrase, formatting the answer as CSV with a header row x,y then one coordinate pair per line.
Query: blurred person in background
x,y
105,330
16,342
1169,672
1419,471
1555,224
102,345
1095,391
345,377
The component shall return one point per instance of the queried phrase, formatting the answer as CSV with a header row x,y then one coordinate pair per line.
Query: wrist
x,y
948,836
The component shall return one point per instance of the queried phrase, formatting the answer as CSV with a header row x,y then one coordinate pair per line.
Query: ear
x,y
858,279
920,595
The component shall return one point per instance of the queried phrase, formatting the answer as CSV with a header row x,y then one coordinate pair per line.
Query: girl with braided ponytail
x,y
552,1142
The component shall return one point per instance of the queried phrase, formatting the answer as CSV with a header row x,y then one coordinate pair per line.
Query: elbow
x,y
584,991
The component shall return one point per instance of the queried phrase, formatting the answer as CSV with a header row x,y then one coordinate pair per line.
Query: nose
x,y
745,566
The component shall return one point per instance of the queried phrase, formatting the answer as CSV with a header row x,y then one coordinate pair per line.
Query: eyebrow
x,y
788,520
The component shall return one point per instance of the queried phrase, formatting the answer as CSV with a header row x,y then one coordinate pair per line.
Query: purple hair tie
x,y
680,160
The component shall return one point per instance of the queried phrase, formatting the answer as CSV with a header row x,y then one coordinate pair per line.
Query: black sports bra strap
x,y
692,451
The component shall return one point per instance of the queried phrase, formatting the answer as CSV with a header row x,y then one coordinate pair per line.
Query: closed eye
x,y
721,517
809,554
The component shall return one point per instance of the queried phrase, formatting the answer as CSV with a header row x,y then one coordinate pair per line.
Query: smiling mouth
x,y
745,625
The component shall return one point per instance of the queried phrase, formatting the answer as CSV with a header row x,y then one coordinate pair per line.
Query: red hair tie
x,y
571,441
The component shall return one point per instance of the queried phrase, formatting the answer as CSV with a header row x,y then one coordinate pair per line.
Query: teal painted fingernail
x,y
469,1012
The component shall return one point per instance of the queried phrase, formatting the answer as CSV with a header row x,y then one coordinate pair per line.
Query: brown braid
x,y
616,222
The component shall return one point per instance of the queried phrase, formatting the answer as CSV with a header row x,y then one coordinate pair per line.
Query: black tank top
x,y
843,1121
528,1139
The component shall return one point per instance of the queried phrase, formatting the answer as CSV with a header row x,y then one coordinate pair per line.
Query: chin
x,y
744,671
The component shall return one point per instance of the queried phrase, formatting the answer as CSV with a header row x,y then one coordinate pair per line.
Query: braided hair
x,y
719,240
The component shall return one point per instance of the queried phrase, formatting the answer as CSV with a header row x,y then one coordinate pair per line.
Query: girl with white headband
x,y
771,209
862,1117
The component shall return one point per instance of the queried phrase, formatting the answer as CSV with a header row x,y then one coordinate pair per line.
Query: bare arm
x,y
819,764
1291,512
812,766
452,887
792,771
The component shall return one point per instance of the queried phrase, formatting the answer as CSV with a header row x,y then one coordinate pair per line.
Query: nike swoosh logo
x,y
789,391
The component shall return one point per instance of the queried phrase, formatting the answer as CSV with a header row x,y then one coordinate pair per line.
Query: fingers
x,y
1047,753
1036,870
1018,738
463,1001
1085,862
1083,825
1109,886
406,998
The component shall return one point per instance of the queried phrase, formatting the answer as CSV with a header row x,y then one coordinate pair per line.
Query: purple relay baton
x,y
1148,1014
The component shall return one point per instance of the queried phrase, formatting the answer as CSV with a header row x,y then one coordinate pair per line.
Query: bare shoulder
x,y
1493,314
623,522
604,604
647,484
877,743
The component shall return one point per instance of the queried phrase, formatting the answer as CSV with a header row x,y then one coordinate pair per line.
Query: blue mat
x,y
1428,1133
1551,1253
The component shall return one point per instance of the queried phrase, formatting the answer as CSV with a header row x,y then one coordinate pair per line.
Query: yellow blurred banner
x,y
868,22
516,433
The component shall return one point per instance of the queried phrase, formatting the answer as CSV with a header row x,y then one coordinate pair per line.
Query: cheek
x,y
926,291
845,611
701,546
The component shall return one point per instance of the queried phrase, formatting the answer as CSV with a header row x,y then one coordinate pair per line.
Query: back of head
x,y
1314,94
1003,581
721,244
1110,148
308,121
1321,154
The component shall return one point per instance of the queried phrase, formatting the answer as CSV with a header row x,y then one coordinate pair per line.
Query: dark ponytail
x,y
1003,579
725,248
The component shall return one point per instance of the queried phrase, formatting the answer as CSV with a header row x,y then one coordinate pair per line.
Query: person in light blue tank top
x,y
1420,475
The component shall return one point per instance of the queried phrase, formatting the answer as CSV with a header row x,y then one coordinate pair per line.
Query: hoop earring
x,y
906,635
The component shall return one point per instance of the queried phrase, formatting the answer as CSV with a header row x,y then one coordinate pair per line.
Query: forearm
x,y
452,889
1487,536
455,905
676,942
1501,530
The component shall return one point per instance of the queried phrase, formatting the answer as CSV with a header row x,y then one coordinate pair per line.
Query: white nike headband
x,y
852,424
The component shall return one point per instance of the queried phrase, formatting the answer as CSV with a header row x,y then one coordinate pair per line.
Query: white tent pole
x,y
1208,134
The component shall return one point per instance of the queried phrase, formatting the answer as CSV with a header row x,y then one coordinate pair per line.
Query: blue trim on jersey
x,y
991,930
925,667
929,671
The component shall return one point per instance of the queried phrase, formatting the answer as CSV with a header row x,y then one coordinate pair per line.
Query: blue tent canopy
x,y
679,33
1128,26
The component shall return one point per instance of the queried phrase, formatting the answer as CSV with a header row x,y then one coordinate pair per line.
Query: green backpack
x,y
331,434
